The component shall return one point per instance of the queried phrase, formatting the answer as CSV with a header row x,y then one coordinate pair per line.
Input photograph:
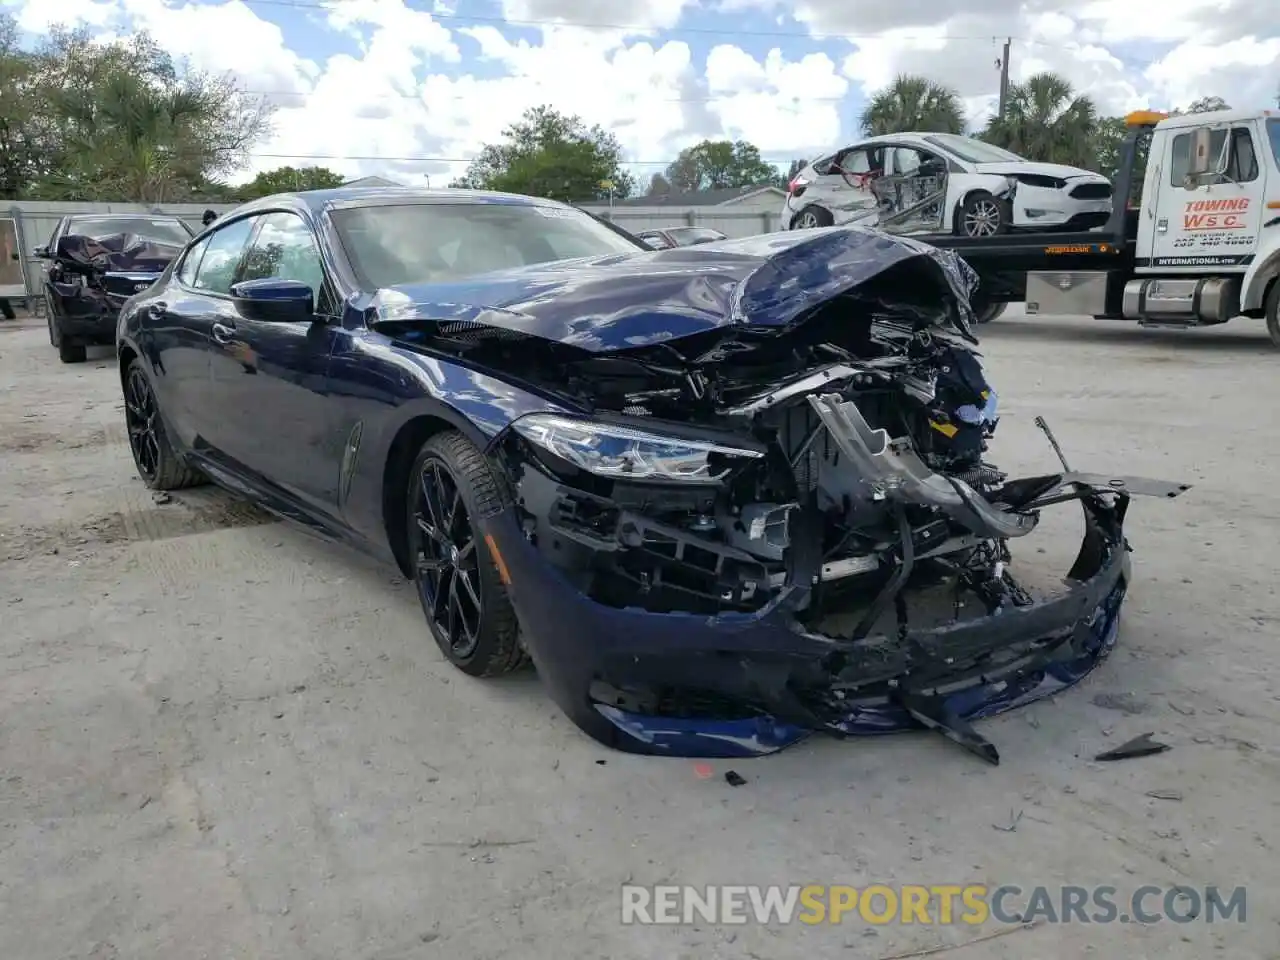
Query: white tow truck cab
x,y
1206,247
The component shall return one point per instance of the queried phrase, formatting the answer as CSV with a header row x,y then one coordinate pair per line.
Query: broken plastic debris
x,y
733,778
1142,746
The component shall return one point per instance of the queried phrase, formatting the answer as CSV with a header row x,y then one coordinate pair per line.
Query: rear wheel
x,y
811,217
468,611
157,463
1273,313
990,312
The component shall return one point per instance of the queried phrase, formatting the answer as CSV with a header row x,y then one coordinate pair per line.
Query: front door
x,y
268,378
912,192
1214,224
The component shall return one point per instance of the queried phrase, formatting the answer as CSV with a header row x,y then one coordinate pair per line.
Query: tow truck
x,y
1199,247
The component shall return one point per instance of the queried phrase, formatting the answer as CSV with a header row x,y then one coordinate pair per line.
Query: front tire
x,y
157,463
982,215
1272,310
465,601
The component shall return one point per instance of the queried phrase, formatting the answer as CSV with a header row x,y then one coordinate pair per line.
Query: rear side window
x,y
191,263
1273,134
217,270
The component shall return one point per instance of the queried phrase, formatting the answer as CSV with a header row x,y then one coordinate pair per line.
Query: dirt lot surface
x,y
221,738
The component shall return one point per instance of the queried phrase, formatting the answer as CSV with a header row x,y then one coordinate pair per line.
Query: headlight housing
x,y
620,452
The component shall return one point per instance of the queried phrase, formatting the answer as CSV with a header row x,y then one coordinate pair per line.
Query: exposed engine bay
x,y
866,418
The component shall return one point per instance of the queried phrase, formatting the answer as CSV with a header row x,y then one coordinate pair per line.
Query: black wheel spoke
x,y
430,531
469,589
447,560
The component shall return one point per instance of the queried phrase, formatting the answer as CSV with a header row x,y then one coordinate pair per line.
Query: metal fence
x,y
35,220
735,224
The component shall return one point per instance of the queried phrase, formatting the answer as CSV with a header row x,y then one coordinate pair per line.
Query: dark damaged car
x,y
97,262
722,496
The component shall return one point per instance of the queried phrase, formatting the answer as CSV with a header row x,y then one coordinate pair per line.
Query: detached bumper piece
x,y
748,683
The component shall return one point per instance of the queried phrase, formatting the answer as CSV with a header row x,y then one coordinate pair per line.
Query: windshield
x,y
974,151
165,230
1273,134
439,242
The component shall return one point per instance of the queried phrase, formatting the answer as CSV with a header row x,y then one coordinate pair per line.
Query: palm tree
x,y
1045,120
913,103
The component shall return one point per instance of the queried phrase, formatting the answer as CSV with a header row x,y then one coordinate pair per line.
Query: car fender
x,y
421,387
963,185
1264,269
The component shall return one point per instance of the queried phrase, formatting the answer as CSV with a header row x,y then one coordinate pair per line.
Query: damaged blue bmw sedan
x,y
722,496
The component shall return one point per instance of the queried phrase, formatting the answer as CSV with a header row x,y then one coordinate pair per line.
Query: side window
x,y
854,161
217,270
285,249
906,161
191,263
1242,164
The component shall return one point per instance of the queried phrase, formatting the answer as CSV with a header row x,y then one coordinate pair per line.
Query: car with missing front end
x,y
96,262
722,496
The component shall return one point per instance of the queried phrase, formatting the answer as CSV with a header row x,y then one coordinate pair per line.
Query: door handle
x,y
223,333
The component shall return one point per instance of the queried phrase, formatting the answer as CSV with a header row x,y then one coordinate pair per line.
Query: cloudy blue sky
x,y
413,88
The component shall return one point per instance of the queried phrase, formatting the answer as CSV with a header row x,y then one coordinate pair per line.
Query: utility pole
x,y
1004,76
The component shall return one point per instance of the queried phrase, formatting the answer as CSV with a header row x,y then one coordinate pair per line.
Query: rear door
x,y
844,185
1213,224
268,378
182,329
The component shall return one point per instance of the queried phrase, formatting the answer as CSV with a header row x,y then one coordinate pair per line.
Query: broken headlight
x,y
624,453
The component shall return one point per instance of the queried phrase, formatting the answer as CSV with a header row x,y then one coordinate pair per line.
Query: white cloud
x,y
786,108
423,86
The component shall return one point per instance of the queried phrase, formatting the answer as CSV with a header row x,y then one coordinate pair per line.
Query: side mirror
x,y
41,252
273,300
1204,162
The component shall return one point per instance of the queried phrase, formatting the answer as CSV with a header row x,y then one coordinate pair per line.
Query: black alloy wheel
x,y
459,585
447,558
157,463
141,416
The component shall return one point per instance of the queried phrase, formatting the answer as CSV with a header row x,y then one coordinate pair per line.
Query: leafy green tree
x,y
134,125
1047,121
719,164
550,154
1206,105
913,103
29,136
658,186
289,179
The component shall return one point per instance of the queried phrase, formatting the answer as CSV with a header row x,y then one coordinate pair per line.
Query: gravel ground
x,y
222,738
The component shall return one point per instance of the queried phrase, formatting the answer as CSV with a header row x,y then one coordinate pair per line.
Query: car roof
x,y
122,216
343,198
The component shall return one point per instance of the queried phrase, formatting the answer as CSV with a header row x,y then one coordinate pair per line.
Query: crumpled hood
x,y
1008,168
637,299
118,253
